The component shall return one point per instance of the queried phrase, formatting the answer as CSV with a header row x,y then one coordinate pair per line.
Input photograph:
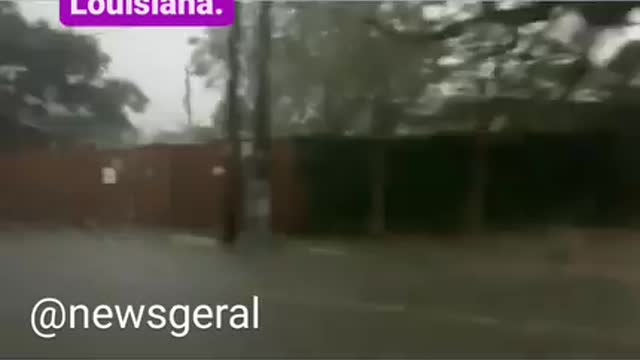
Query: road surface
x,y
316,299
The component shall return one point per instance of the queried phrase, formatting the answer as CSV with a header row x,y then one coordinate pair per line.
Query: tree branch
x,y
595,13
511,17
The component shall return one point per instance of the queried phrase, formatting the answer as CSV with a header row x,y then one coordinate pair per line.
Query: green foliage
x,y
330,60
63,67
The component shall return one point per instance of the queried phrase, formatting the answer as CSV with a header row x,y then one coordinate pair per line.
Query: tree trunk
x,y
377,192
233,208
382,114
475,214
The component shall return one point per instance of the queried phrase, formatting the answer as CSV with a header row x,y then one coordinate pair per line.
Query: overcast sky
x,y
154,58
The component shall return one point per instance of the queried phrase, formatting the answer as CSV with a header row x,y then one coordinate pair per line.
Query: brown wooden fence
x,y
171,186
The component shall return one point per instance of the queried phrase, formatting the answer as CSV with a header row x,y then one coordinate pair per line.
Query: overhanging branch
x,y
608,13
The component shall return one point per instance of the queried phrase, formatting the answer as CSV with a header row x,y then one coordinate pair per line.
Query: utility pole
x,y
258,185
186,102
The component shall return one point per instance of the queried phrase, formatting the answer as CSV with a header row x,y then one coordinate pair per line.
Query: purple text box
x,y
106,13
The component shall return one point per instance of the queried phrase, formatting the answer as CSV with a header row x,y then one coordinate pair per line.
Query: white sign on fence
x,y
109,175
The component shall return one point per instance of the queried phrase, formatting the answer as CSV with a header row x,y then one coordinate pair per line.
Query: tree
x,y
213,56
60,67
331,60
325,67
569,35
551,62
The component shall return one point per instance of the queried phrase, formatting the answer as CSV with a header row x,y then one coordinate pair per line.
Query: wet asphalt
x,y
316,299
